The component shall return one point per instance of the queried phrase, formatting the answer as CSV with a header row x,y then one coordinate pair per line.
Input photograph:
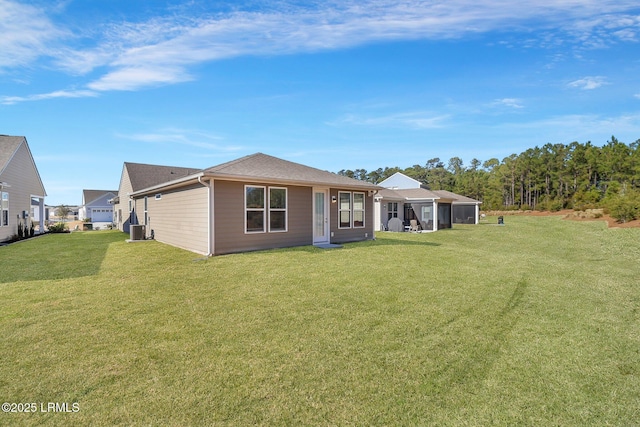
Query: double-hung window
x,y
344,210
392,210
4,209
146,210
265,207
358,210
351,208
254,208
277,209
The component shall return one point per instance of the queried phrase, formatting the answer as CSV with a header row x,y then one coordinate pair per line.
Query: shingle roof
x,y
145,176
410,193
458,198
89,196
260,166
8,147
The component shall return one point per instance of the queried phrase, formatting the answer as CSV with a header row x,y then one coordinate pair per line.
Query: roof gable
x,y
91,196
400,181
9,148
263,167
144,176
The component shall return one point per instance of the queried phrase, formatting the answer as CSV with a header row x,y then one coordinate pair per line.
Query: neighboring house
x,y
95,205
21,189
52,213
253,203
135,177
407,199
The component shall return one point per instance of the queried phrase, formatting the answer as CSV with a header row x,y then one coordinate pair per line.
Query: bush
x,y
553,205
625,206
58,227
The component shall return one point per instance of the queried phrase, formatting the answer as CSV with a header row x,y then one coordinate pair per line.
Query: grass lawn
x,y
531,323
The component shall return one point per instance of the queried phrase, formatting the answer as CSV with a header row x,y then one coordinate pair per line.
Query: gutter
x,y
210,211
168,185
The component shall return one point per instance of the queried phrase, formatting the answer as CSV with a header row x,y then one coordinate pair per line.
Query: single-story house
x,y
21,189
253,203
407,199
95,205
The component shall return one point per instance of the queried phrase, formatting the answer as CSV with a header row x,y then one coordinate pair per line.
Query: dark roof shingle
x,y
8,147
261,166
144,176
92,195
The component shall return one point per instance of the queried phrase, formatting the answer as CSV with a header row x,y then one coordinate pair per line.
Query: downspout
x,y
210,232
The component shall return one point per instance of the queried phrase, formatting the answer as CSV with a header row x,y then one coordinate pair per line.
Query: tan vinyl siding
x,y
122,207
229,231
24,180
179,218
344,235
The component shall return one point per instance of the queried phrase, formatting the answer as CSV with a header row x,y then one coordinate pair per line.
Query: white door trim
x,y
320,231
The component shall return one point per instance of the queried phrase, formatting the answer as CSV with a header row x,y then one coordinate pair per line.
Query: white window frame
x,y
392,210
354,210
349,209
3,209
146,210
263,209
285,209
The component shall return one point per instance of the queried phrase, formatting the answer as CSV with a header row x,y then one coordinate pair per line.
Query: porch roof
x,y
413,194
457,197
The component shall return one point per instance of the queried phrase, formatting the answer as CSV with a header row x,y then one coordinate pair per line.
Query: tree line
x,y
551,177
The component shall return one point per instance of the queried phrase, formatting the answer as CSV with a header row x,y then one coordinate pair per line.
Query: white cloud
x,y
509,102
160,50
8,100
173,136
414,120
578,127
589,83
26,34
133,78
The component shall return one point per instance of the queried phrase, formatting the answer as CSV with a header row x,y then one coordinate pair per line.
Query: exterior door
x,y
320,215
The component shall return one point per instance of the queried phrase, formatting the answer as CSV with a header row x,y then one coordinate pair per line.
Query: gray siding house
x,y
21,191
95,205
253,203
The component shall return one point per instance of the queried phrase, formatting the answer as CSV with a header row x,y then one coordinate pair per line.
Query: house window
x,y
344,210
146,210
358,210
254,206
277,209
4,208
392,210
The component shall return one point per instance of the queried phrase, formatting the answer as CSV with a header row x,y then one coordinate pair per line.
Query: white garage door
x,y
102,215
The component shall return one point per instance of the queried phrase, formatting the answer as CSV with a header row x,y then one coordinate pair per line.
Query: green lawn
x,y
532,323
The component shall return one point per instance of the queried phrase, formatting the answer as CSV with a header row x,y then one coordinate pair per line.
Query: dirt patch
x,y
569,214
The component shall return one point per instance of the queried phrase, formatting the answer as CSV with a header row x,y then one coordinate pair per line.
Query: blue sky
x,y
330,84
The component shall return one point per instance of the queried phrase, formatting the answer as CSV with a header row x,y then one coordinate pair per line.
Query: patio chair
x,y
413,226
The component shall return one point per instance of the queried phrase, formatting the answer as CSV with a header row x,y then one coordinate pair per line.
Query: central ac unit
x,y
137,232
